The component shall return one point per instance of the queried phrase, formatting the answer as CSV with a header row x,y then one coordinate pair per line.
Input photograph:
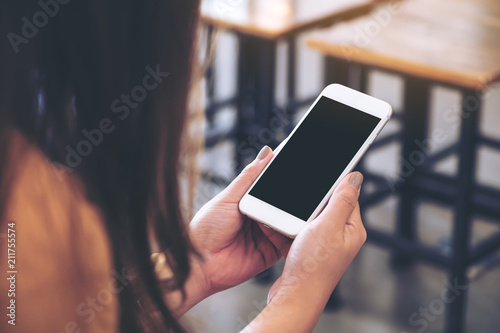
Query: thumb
x,y
343,201
240,185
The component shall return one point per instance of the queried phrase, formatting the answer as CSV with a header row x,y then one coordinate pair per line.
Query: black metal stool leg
x,y
463,207
244,96
291,87
256,79
415,115
336,71
210,74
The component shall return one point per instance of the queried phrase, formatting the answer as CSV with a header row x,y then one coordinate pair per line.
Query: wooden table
x,y
455,43
279,18
451,41
259,25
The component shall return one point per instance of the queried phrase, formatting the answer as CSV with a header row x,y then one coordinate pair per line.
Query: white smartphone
x,y
323,148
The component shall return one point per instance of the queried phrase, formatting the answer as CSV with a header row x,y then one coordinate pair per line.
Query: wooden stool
x,y
454,43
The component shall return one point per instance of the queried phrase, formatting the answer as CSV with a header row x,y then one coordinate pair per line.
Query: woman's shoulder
x,y
63,252
49,200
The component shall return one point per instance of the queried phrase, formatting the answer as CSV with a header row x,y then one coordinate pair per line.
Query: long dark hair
x,y
101,88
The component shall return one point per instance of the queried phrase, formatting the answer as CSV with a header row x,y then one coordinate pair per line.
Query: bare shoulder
x,y
63,253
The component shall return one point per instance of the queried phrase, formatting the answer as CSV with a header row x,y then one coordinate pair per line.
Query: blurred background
x,y
431,197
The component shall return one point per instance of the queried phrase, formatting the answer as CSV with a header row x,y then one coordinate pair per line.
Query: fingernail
x,y
263,153
356,180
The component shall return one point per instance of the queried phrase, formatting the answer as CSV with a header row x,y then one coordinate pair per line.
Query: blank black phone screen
x,y
314,157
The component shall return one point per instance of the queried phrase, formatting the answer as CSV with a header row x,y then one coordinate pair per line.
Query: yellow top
x,y
450,41
276,18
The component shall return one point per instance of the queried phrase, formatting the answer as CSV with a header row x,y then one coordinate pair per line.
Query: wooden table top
x,y
450,41
272,19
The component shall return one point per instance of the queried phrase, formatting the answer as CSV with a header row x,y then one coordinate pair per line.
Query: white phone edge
x,y
286,223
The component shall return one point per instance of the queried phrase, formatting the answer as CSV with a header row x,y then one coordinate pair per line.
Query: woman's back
x,y
65,277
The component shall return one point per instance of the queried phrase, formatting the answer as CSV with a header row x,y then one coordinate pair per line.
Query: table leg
x,y
456,311
256,79
209,74
415,116
336,71
291,86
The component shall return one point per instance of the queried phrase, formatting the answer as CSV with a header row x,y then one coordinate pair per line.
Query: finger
x,y
282,243
240,185
343,201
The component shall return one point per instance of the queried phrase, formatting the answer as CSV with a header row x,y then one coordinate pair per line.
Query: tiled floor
x,y
375,296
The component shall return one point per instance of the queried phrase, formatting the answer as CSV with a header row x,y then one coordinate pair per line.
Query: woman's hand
x,y
234,247
314,264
